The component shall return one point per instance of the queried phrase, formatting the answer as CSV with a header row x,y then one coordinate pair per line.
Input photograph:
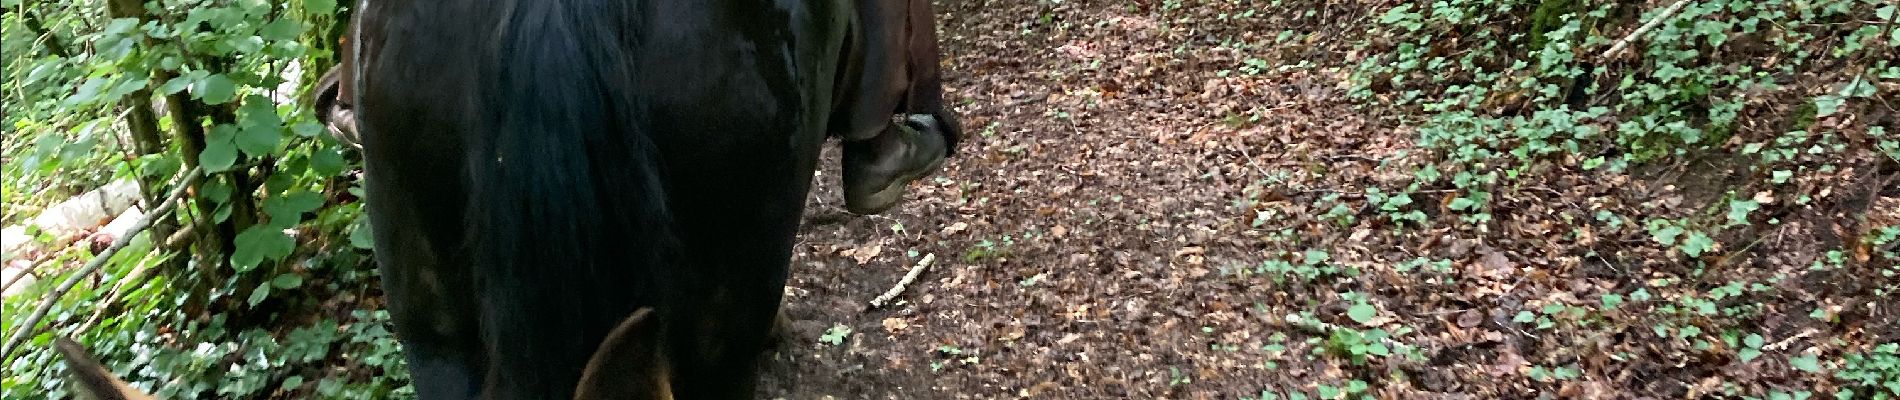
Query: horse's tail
x,y
569,222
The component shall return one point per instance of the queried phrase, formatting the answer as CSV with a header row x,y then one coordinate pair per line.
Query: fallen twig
x,y
1783,344
915,270
32,322
1653,22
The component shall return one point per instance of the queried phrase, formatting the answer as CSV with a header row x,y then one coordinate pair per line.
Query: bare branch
x,y
915,270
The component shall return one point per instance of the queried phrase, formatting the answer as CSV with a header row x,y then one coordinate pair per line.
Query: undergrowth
x,y
1703,144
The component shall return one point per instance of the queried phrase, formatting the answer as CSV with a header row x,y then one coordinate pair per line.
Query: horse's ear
x,y
91,380
628,364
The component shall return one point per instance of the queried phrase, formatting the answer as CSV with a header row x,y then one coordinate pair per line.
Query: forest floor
x,y
1138,214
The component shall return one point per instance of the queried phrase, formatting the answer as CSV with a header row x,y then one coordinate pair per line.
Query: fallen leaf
x,y
864,254
1470,318
956,227
1495,261
894,325
1507,363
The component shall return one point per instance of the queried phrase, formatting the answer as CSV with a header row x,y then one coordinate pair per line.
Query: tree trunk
x,y
142,120
53,45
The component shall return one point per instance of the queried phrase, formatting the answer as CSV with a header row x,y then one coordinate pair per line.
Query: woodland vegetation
x,y
1258,199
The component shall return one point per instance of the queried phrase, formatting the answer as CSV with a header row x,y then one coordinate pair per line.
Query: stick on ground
x,y
1653,21
915,270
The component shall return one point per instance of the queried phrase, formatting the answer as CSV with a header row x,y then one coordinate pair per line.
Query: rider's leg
x,y
897,73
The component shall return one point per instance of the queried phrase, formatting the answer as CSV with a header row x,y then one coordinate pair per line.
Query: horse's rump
x,y
537,170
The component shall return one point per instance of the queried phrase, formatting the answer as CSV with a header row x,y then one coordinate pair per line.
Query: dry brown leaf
x,y
895,325
956,227
1496,262
864,254
1470,318
1507,364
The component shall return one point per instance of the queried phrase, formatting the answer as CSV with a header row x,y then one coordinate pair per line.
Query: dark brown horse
x,y
538,170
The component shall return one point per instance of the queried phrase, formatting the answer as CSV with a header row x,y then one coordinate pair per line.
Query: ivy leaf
x,y
835,335
1396,14
1362,313
1697,243
127,87
121,26
326,162
217,89
282,29
292,383
1315,257
307,129
1329,392
259,111
1612,300
262,127
1806,362
220,152
258,243
362,238
287,281
163,164
1828,105
1666,235
1782,176
216,190
1462,203
258,141
1749,353
181,82
288,209
257,296
1379,349
1593,162
88,92
1738,211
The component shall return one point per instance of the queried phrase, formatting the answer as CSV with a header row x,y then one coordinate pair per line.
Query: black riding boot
x,y
876,170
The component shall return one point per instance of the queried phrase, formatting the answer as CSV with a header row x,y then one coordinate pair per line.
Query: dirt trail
x,y
1082,230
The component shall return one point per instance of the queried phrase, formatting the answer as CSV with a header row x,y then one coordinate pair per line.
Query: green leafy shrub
x,y
240,303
